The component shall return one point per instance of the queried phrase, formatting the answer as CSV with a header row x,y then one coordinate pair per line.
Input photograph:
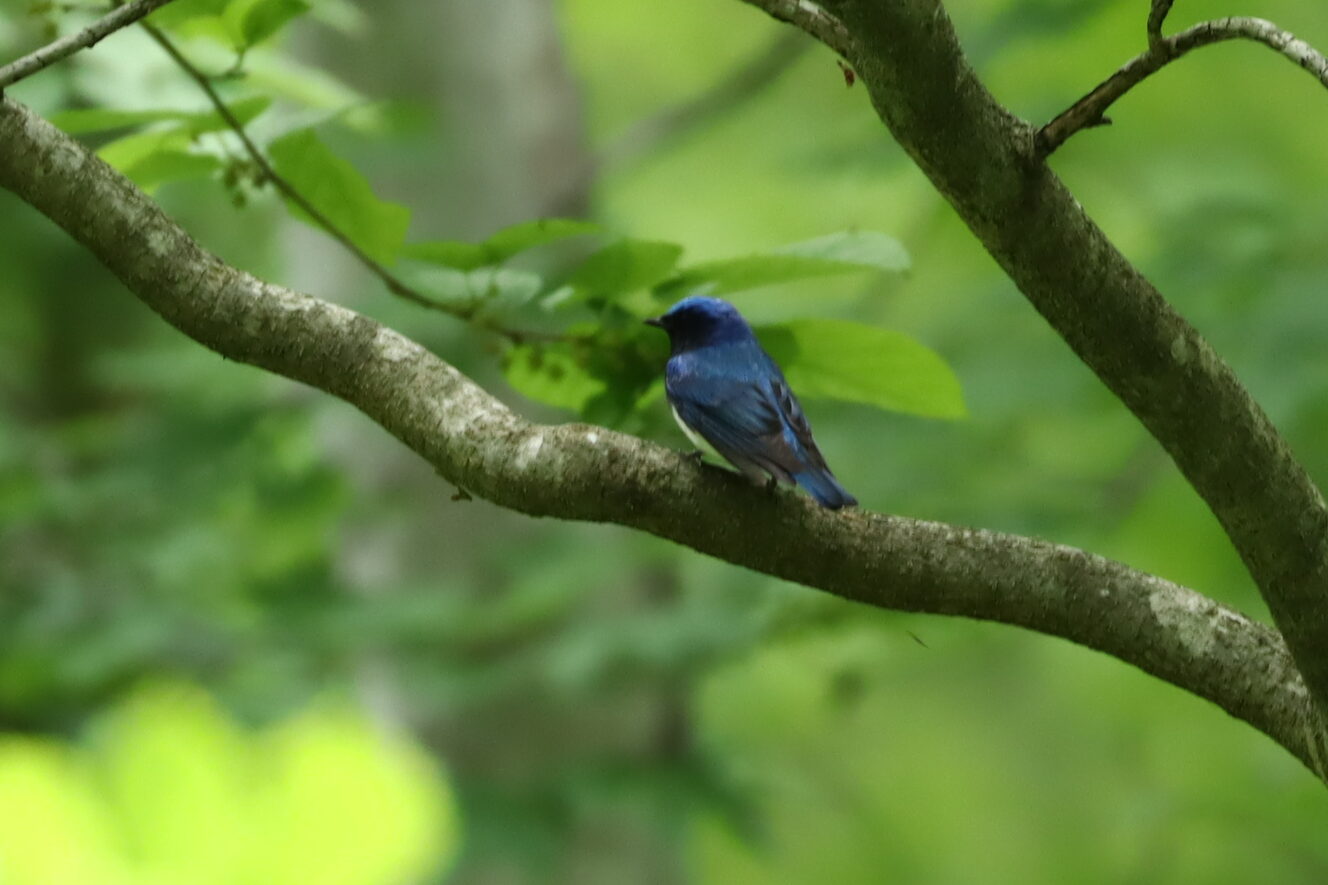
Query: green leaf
x,y
244,110
527,235
337,190
625,266
125,153
824,256
501,246
868,249
836,359
172,783
250,22
449,253
101,119
551,375
171,165
196,122
181,11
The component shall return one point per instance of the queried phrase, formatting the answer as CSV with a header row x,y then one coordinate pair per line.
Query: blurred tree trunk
x,y
509,118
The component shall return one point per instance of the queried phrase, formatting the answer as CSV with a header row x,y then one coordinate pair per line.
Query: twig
x,y
470,313
812,18
736,87
1088,111
66,46
1157,14
656,132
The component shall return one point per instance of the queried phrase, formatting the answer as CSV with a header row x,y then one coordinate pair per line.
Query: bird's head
x,y
700,321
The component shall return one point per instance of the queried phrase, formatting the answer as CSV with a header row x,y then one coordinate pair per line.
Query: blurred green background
x,y
203,563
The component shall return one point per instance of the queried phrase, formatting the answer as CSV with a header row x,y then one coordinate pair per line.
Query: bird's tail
x,y
822,485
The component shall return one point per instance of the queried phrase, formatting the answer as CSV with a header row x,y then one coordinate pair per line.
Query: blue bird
x,y
726,391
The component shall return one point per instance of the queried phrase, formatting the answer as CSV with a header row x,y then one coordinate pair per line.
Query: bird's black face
x,y
700,321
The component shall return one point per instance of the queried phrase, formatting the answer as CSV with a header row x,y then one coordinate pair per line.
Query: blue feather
x,y
727,390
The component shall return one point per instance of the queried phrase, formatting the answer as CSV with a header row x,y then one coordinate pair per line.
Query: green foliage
x,y
84,120
240,24
250,22
605,701
503,245
623,267
831,255
169,788
849,361
341,194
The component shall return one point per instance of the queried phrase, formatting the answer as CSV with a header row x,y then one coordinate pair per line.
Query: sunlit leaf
x,y
550,375
170,165
171,789
841,360
125,153
337,190
824,256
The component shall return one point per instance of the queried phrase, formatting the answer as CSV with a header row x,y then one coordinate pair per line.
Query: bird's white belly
x,y
696,438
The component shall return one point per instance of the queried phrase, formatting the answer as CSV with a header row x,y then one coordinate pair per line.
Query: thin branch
x,y
672,124
94,33
737,86
1157,15
393,283
579,472
1089,111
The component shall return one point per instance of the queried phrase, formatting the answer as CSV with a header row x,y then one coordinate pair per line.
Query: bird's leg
x,y
771,484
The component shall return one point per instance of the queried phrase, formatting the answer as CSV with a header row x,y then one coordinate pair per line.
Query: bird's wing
x,y
750,417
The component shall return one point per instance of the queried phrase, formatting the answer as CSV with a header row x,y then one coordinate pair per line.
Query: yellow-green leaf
x,y
836,359
336,189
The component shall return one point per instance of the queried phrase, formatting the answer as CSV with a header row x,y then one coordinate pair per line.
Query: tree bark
x,y
985,162
575,471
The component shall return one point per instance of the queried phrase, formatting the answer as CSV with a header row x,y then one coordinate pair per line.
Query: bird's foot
x,y
694,456
771,484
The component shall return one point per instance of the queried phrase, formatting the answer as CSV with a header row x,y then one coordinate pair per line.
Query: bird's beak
x,y
656,322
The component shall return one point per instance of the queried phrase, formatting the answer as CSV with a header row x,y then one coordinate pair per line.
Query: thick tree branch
x,y
983,160
1089,110
587,473
66,46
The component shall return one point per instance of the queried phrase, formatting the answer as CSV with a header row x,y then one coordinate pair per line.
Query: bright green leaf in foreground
x,y
337,190
841,253
174,791
502,245
836,359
